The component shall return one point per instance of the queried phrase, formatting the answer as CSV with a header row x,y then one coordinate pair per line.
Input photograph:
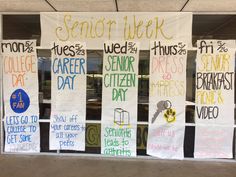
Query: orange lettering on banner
x,y
18,79
17,66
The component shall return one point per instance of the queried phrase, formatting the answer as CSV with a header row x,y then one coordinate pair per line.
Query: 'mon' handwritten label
x,y
18,47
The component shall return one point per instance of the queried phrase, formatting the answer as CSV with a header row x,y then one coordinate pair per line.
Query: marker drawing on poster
x,y
119,98
67,122
167,88
214,110
20,87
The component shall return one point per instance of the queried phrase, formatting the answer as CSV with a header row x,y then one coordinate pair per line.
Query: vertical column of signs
x,y
167,88
119,98
20,86
214,111
68,115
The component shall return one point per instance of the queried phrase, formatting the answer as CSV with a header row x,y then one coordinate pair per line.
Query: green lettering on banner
x,y
93,136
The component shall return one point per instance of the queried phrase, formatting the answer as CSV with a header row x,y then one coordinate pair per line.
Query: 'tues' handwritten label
x,y
69,68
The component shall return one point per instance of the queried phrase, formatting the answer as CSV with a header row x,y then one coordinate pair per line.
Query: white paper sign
x,y
20,87
213,141
119,98
66,132
95,28
69,68
167,89
214,111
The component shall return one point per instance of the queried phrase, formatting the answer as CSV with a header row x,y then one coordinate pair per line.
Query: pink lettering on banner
x,y
167,90
163,133
163,147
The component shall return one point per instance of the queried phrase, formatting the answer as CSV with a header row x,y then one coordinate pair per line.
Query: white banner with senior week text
x,y
119,98
95,28
20,88
167,90
68,115
214,110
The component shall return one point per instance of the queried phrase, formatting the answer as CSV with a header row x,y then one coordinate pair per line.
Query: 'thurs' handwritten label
x,y
119,111
167,99
20,96
69,68
214,98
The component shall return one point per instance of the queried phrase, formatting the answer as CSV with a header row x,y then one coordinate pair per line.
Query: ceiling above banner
x,y
118,6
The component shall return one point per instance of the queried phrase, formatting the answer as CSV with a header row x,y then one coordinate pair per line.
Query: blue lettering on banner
x,y
72,66
65,82
66,143
20,130
68,66
66,129
19,101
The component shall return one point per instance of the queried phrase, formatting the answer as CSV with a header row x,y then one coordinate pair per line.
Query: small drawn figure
x,y
161,106
169,114
121,117
19,101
